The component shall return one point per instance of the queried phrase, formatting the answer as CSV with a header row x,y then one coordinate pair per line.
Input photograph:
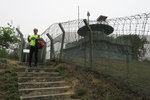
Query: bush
x,y
78,93
3,53
11,86
13,56
136,44
3,61
59,68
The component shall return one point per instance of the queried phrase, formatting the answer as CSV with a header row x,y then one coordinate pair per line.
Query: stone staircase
x,y
42,83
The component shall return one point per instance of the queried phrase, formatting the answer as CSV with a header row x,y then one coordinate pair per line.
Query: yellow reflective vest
x,y
33,38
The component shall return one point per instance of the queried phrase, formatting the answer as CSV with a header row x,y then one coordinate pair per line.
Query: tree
x,y
136,44
7,37
8,40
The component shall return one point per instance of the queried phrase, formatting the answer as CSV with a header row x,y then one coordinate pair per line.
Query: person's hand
x,y
33,38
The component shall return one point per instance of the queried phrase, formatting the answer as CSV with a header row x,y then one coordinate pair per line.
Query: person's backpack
x,y
39,43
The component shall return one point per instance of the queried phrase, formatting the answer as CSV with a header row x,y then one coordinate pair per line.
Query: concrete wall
x,y
104,46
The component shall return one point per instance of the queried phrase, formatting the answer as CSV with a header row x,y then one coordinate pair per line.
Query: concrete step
x,y
41,84
60,96
39,79
22,69
36,69
37,74
41,91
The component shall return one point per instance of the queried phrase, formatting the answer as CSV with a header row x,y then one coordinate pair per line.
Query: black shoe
x,y
30,65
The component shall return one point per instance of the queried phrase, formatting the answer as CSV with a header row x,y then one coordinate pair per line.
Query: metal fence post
x,y
43,53
21,45
52,53
62,43
91,42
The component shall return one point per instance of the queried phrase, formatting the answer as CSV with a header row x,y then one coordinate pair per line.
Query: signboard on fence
x,y
26,51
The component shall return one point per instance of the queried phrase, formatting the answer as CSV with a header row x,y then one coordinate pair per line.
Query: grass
x,y
61,69
78,93
3,61
133,76
9,85
8,81
136,74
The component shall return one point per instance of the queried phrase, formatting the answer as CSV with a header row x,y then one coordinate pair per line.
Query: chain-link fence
x,y
116,47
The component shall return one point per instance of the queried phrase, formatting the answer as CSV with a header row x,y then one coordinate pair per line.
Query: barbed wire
x,y
137,24
111,55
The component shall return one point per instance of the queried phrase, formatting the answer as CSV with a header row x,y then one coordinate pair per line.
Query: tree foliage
x,y
7,37
136,44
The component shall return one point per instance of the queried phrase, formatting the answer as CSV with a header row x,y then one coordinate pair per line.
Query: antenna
x,y
88,16
78,16
78,19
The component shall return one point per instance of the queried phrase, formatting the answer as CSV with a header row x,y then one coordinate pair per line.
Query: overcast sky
x,y
29,14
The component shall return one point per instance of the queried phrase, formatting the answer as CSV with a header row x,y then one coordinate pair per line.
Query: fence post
x,y
52,53
43,53
127,59
21,45
62,42
91,41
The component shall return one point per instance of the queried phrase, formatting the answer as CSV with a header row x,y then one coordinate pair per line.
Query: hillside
x,y
96,85
85,83
8,80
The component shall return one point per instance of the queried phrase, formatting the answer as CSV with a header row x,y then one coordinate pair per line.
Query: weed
x,y
75,96
3,61
65,74
11,86
2,73
78,93
59,68
7,71
8,78
11,96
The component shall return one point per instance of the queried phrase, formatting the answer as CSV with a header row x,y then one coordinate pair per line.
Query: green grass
x,y
3,61
11,86
8,80
78,93
135,74
59,68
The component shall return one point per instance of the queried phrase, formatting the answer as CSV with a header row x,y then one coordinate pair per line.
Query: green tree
x,y
136,44
8,39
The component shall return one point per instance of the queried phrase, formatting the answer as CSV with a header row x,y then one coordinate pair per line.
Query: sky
x,y
29,14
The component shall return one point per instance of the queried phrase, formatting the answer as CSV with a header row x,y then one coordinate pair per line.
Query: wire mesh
x,y
111,56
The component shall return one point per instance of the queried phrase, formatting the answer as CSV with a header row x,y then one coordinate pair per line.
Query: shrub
x,y
3,53
59,68
78,93
3,61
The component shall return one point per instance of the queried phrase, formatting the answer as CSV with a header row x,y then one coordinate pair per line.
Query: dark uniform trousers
x,y
33,49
